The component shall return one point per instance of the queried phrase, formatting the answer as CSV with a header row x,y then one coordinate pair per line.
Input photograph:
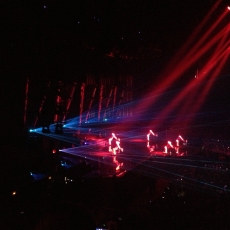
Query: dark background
x,y
65,40
48,40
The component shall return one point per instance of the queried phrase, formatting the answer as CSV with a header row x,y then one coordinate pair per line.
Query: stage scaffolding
x,y
96,99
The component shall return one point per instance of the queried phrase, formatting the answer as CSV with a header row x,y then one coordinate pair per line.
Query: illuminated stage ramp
x,y
109,154
100,156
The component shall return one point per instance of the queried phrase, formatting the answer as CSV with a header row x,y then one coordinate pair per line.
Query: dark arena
x,y
115,115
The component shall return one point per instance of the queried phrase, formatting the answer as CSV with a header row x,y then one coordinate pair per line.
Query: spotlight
x,y
228,7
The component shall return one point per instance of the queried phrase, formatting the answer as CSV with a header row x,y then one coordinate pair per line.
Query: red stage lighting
x,y
228,7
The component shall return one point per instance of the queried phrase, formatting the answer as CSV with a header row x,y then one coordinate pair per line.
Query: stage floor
x,y
96,149
100,155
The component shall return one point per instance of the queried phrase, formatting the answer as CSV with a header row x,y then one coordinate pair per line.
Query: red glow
x,y
187,97
118,165
202,90
193,36
186,58
214,42
149,133
180,137
211,69
207,88
228,7
113,137
116,149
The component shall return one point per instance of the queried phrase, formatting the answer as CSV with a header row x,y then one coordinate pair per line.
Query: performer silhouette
x,y
177,146
151,145
111,142
118,148
169,148
115,147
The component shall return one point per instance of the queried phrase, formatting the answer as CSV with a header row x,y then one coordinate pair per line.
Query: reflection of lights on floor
x,y
121,174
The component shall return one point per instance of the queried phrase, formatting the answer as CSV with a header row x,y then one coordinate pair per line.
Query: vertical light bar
x,y
90,104
69,100
114,97
107,102
82,101
41,105
58,103
100,102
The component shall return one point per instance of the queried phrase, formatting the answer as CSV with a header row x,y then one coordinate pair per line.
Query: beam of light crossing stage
x,y
177,175
193,160
59,137
182,161
187,62
91,157
72,151
204,92
101,142
212,186
192,38
202,45
195,186
202,88
83,149
73,125
170,161
89,151
188,91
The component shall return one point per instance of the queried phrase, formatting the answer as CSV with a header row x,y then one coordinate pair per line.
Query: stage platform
x,y
97,151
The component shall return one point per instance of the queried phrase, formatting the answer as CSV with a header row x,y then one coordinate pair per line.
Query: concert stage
x,y
107,165
101,153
